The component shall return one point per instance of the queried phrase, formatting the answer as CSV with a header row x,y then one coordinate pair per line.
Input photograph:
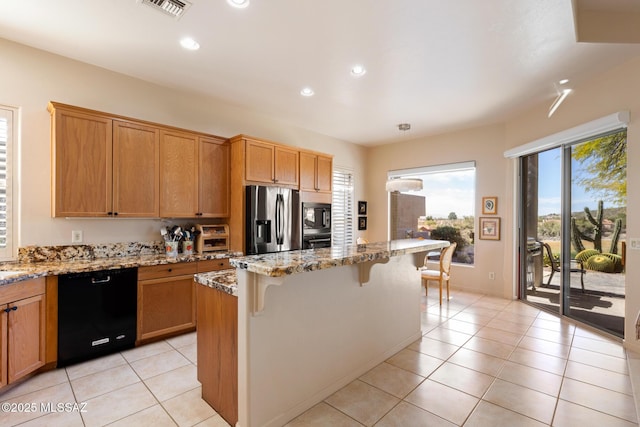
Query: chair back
x,y
446,256
552,260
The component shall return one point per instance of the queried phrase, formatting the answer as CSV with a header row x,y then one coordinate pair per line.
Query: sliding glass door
x,y
573,227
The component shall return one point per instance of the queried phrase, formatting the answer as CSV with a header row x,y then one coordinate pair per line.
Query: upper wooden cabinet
x,y
81,162
107,165
315,172
102,166
179,173
213,178
194,173
136,178
271,163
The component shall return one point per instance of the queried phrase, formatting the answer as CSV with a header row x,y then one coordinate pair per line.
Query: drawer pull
x,y
170,270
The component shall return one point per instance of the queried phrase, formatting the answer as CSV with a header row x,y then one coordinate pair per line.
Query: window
x,y
442,210
342,208
7,125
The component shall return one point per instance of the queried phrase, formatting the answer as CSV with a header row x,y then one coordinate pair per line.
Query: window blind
x,y
6,135
342,208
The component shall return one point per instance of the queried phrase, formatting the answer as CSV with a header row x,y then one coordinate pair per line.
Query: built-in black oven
x,y
316,241
316,225
316,218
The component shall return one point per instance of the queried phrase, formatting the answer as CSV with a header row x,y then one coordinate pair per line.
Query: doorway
x,y
573,230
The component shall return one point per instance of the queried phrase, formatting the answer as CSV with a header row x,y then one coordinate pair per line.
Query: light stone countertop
x,y
223,280
32,270
285,263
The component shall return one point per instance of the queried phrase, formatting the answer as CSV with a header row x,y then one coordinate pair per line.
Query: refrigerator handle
x,y
279,219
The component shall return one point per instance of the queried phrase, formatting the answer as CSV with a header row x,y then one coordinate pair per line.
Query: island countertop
x,y
286,263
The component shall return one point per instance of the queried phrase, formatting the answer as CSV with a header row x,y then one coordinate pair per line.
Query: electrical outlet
x,y
492,275
634,243
76,236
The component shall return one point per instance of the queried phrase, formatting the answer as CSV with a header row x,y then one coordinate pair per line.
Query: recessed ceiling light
x,y
404,126
306,91
358,70
240,4
189,43
564,81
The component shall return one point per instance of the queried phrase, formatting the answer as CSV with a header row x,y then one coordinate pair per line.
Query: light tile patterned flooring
x,y
482,361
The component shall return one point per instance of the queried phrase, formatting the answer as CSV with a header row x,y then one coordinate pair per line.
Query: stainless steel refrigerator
x,y
273,219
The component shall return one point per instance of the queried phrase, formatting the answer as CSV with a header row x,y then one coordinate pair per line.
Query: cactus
x,y
600,263
617,261
615,237
584,255
578,236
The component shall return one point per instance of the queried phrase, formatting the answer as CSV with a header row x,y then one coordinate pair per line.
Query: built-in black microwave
x,y
316,218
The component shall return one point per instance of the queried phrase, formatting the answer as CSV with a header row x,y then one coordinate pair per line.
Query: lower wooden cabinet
x,y
167,297
166,300
22,329
218,351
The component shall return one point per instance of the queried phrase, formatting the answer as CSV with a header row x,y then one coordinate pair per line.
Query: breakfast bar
x,y
308,323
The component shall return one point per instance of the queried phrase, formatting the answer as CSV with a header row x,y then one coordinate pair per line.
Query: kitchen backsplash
x,y
88,252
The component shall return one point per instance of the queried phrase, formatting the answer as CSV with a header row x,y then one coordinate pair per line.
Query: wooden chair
x,y
443,274
576,266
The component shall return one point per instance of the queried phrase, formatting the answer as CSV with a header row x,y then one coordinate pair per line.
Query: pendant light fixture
x,y
403,184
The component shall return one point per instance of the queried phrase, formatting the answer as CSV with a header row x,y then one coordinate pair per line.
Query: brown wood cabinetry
x,y
22,328
218,351
167,297
102,166
213,178
107,165
194,175
315,172
179,174
136,177
271,163
81,162
166,300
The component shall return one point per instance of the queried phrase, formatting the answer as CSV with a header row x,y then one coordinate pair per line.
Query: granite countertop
x,y
32,270
223,280
286,263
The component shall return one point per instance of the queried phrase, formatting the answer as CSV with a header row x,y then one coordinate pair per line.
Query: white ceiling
x,y
437,64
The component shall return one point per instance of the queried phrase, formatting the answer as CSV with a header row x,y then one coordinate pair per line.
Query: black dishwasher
x,y
96,313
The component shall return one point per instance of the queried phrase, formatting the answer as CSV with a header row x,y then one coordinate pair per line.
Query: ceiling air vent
x,y
174,8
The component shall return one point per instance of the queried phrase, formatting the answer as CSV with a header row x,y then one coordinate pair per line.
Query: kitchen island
x,y
309,322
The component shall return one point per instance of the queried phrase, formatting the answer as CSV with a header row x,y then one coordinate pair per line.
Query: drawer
x,y
21,290
213,265
167,270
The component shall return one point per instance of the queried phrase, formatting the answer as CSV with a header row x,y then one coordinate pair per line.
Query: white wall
x,y
485,146
615,90
32,78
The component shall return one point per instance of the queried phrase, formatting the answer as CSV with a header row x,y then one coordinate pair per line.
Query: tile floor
x,y
482,361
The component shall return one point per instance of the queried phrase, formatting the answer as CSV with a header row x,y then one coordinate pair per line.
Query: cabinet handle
x,y
115,213
109,213
170,270
7,310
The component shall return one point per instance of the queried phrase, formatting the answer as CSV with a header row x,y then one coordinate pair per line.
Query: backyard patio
x,y
601,304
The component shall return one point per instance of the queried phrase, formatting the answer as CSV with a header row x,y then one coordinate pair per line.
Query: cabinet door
x,y
3,345
166,306
82,162
286,162
136,175
324,173
26,333
307,171
213,178
178,174
259,162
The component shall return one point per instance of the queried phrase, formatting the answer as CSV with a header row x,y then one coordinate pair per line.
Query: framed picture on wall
x,y
489,205
362,208
489,228
362,223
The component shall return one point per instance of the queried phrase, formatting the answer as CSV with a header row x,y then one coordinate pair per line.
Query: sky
x,y
549,184
447,192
